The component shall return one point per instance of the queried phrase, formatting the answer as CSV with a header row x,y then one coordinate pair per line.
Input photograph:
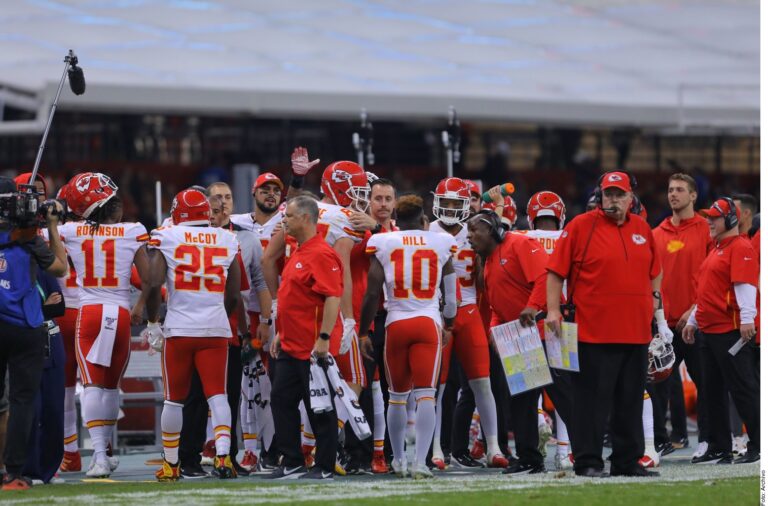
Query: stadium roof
x,y
586,62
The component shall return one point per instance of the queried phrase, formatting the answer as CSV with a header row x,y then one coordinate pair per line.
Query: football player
x,y
198,264
102,249
411,264
451,207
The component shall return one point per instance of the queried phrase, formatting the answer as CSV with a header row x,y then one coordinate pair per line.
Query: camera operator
x,y
23,335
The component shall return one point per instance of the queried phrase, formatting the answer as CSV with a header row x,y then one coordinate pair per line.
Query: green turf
x,y
650,492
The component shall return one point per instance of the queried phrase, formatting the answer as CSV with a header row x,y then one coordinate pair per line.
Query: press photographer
x,y
23,336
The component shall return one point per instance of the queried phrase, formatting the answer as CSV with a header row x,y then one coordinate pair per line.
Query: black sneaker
x,y
591,472
634,472
193,472
748,458
517,467
664,448
317,474
713,457
241,471
267,462
287,473
465,461
679,444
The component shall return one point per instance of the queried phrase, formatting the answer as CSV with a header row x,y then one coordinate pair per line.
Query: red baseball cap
x,y
265,178
473,187
25,177
616,180
721,207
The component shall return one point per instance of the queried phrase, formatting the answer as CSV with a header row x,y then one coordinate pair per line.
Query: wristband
x,y
324,336
297,182
266,321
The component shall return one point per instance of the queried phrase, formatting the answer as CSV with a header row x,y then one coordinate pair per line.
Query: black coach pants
x,y
195,418
291,386
661,393
234,387
610,382
738,376
22,353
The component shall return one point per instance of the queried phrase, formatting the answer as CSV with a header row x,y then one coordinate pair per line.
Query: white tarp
x,y
621,62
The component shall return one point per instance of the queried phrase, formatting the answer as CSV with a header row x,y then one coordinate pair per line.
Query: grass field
x,y
472,490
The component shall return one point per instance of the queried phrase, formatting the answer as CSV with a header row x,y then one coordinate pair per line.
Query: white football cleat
x,y
399,468
99,469
421,472
563,462
701,450
113,462
650,459
739,445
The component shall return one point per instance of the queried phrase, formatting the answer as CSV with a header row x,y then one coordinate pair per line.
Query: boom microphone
x,y
76,79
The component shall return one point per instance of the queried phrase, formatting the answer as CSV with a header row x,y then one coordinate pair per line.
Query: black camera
x,y
22,209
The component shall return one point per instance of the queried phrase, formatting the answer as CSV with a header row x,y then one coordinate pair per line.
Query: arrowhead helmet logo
x,y
638,239
340,176
614,177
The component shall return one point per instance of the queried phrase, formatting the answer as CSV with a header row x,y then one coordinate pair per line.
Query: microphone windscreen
x,y
76,80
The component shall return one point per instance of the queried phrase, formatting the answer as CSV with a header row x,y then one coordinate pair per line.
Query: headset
x,y
598,193
492,220
731,218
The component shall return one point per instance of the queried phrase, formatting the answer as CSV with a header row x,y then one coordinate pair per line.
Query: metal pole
x,y
67,60
158,203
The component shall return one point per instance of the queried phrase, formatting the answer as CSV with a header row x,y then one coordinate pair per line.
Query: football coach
x,y
609,259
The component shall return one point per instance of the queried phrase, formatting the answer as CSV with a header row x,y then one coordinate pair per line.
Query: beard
x,y
265,208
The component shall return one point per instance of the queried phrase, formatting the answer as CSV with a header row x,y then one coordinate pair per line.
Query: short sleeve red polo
x,y
609,269
733,260
312,273
515,277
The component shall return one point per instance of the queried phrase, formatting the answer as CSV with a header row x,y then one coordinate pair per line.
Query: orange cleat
x,y
71,463
250,461
16,482
169,472
379,463
498,461
478,450
309,455
209,453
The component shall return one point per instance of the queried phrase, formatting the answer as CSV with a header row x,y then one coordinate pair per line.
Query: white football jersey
x,y
333,223
413,263
463,262
103,257
198,259
263,232
68,284
547,238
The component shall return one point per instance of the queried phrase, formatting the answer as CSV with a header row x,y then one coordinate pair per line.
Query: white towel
x,y
357,419
319,393
101,351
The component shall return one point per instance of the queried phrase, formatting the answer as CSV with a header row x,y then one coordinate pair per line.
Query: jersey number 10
x,y
417,260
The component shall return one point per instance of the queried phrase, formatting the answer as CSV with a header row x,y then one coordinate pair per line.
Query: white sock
x,y
209,428
250,437
397,419
411,409
563,441
221,419
542,420
307,434
379,420
438,419
96,415
647,417
112,401
425,422
171,421
70,420
486,406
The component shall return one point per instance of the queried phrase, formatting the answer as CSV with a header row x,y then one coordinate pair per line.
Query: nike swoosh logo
x,y
534,250
471,311
747,258
291,471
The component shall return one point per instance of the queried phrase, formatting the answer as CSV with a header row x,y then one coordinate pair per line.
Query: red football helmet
x,y
191,207
546,203
473,187
451,188
509,212
345,183
89,191
661,359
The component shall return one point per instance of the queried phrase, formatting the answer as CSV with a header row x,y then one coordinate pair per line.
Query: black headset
x,y
492,220
598,193
731,218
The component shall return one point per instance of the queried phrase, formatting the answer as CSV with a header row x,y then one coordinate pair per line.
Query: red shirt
x,y
515,278
612,288
681,250
732,260
313,272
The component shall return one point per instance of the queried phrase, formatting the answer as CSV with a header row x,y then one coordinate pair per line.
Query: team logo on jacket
x,y
298,265
675,245
638,239
3,264
503,261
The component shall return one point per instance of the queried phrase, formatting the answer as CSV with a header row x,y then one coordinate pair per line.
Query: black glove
x,y
247,351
